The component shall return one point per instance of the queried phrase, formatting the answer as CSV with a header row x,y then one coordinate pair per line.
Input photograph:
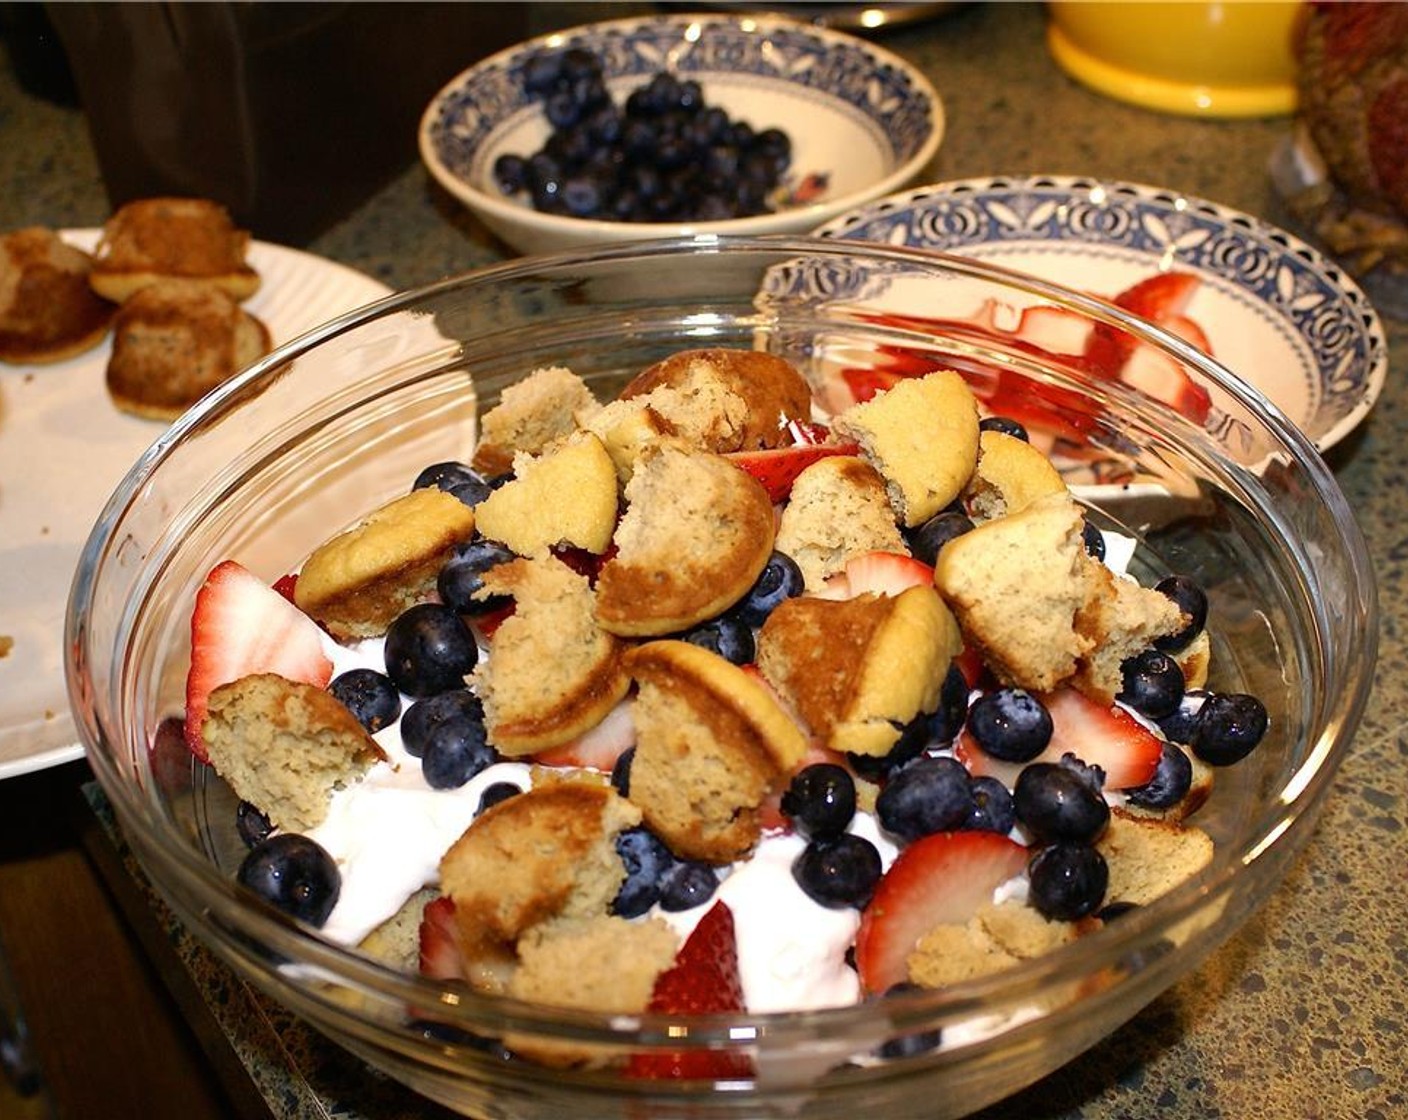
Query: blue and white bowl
x,y
862,121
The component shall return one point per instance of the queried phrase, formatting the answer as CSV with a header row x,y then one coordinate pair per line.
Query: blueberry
x,y
1171,781
948,719
1093,540
687,883
993,807
908,1045
369,696
928,795
1152,684
421,719
462,577
1056,802
821,800
581,195
541,71
929,537
1229,726
445,476
577,63
1010,724
1004,424
295,874
456,750
621,771
1192,601
780,580
1067,881
1114,911
646,859
838,873
494,793
1178,725
251,823
428,650
728,636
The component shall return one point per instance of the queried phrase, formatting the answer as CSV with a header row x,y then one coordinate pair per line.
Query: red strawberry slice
x,y
941,879
1164,379
878,573
970,664
1056,330
778,467
1163,299
863,384
287,585
1099,735
241,625
808,432
439,952
703,980
599,748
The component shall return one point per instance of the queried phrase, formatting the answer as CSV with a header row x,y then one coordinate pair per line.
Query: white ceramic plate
x,y
1275,311
63,450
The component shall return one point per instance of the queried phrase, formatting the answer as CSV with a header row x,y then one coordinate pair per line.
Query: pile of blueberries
x,y
666,156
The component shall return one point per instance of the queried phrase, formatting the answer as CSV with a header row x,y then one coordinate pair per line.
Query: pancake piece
x,y
725,400
175,341
922,436
285,746
48,310
357,583
1010,475
857,670
566,496
156,239
553,673
696,533
1016,585
549,853
1120,619
1149,857
838,509
712,743
531,415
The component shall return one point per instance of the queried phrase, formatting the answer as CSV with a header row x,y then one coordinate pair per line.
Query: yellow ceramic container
x,y
1197,59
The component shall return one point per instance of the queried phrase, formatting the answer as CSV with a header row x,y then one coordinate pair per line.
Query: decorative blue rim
x,y
1278,275
884,94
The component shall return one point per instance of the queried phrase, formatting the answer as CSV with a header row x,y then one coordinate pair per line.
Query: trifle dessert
x,y
695,701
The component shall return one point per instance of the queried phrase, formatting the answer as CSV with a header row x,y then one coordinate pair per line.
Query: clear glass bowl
x,y
342,419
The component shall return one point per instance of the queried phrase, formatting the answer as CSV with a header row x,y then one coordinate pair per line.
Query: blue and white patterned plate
x,y
1276,312
862,121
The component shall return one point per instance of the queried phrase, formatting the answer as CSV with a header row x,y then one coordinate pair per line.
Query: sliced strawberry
x,y
808,432
703,980
1163,299
970,664
1160,296
485,624
778,467
241,625
863,384
599,748
439,952
878,573
1056,330
1163,378
286,585
1107,737
941,879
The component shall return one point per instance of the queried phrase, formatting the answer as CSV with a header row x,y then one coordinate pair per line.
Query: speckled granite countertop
x,y
1304,1014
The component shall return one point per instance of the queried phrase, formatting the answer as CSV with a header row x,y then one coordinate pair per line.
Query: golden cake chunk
x,y
922,436
155,239
998,936
1010,475
838,509
357,583
725,400
1120,619
553,673
285,746
1016,585
696,534
712,744
48,310
531,415
176,340
857,670
566,496
1148,858
548,853
628,430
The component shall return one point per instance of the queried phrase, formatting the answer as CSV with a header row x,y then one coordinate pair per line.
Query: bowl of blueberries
x,y
678,125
